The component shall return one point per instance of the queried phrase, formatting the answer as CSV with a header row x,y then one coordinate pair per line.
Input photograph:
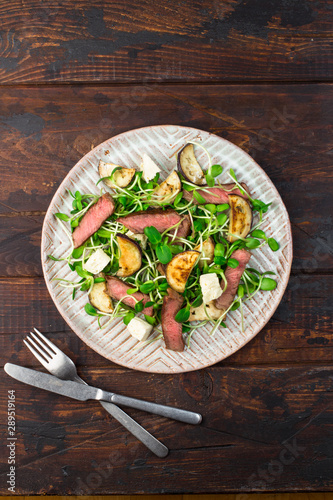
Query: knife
x,y
82,392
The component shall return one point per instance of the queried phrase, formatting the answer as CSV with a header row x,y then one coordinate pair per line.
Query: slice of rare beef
x,y
117,289
172,330
217,195
233,277
93,219
160,219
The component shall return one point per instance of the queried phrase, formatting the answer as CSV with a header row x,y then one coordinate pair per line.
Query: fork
x,y
60,365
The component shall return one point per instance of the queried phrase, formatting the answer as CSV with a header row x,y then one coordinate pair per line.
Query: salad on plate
x,y
166,257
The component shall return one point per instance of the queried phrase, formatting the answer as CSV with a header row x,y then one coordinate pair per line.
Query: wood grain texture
x,y
281,418
285,128
165,41
300,330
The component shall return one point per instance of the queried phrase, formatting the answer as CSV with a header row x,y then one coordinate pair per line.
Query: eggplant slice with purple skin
x,y
100,299
130,256
240,218
189,167
179,269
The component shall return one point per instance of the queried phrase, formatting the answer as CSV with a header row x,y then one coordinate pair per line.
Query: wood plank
x,y
262,429
300,330
144,41
285,127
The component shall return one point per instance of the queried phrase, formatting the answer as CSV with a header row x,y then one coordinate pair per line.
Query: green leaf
x,y
216,170
150,319
273,244
252,243
130,291
77,252
73,293
210,180
163,254
182,315
149,303
74,223
221,219
62,216
260,205
234,306
211,208
257,233
268,284
200,199
139,306
81,272
123,200
241,291
163,286
53,258
219,250
99,279
147,287
197,302
176,249
90,310
199,225
129,316
152,234
221,208
220,261
187,187
178,198
232,173
103,233
233,263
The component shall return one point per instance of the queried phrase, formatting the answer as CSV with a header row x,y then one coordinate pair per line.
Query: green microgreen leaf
x,y
252,243
216,170
268,284
235,306
129,316
220,261
163,254
219,250
273,244
149,303
221,208
178,198
211,208
176,249
150,319
200,199
62,216
258,205
210,180
99,279
139,306
221,219
233,263
241,291
182,315
197,302
232,173
103,233
130,291
147,287
90,310
53,258
258,233
77,252
152,234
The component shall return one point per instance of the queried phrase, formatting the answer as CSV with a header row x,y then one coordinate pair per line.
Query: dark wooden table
x,y
255,72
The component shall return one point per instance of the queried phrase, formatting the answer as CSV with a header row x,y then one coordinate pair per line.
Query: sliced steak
x,y
216,195
93,219
172,330
117,289
160,219
233,277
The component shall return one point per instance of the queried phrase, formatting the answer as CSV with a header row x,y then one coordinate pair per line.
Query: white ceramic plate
x,y
114,342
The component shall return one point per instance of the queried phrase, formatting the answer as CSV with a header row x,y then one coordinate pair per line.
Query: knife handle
x,y
188,417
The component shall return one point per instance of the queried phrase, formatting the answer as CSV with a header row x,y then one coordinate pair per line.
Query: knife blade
x,y
82,392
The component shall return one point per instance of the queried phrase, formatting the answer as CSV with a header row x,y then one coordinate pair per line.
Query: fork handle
x,y
153,444
188,417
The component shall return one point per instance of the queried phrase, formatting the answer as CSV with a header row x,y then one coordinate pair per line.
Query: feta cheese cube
x,y
139,329
148,167
210,287
97,261
140,238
